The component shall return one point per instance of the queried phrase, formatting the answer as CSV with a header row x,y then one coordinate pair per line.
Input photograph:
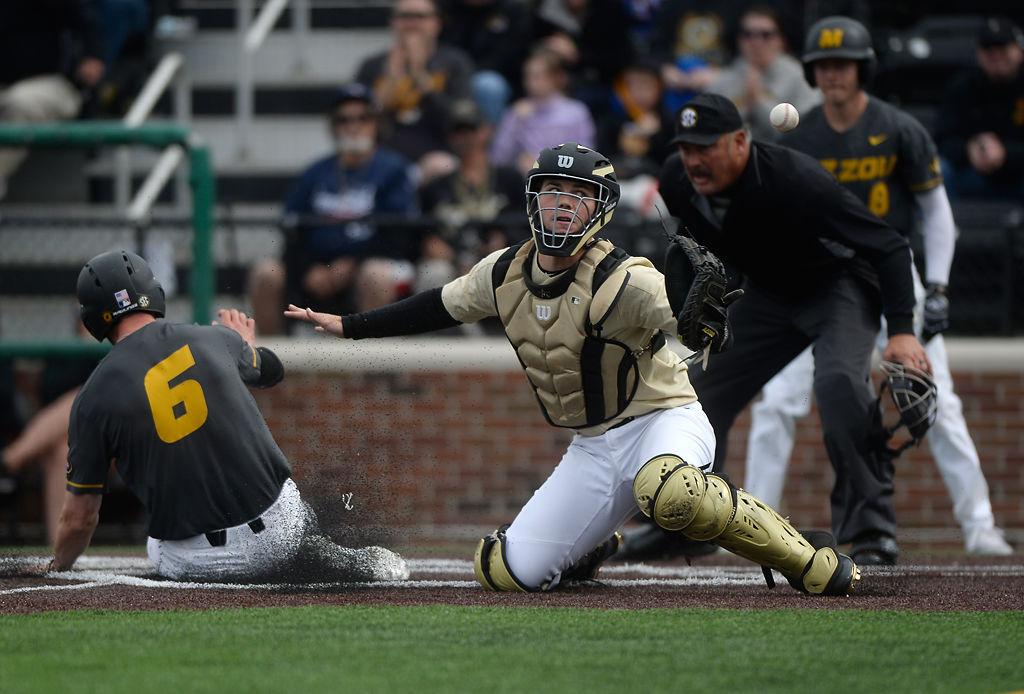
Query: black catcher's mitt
x,y
695,281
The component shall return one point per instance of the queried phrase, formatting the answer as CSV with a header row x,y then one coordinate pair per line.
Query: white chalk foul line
x,y
97,571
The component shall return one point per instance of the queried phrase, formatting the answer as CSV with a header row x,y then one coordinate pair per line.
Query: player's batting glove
x,y
936,312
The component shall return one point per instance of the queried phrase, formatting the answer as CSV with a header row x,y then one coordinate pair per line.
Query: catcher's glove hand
x,y
695,281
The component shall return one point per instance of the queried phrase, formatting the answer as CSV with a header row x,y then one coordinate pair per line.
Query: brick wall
x,y
451,447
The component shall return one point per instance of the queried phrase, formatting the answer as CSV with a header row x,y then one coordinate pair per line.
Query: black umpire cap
x,y
706,118
999,31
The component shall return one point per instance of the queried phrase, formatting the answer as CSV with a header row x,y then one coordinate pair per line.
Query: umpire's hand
x,y
324,322
907,350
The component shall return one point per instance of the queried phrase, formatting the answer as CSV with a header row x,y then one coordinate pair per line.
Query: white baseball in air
x,y
784,117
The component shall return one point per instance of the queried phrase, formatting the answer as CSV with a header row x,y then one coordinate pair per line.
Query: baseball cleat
x,y
588,566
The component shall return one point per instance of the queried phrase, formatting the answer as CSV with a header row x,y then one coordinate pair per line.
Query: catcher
x,y
588,323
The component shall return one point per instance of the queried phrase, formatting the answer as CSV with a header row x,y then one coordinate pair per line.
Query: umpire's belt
x,y
219,538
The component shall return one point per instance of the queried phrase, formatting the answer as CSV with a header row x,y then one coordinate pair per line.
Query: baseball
x,y
784,117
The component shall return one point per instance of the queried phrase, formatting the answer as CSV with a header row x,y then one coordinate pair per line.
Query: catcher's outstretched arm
x,y
420,313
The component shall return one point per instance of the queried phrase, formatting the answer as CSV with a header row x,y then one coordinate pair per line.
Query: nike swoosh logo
x,y
875,140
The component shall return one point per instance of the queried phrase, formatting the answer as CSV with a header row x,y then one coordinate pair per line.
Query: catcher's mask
x,y
573,162
915,397
839,37
114,284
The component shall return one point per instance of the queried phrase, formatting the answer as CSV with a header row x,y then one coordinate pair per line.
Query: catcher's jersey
x,y
170,405
884,159
539,326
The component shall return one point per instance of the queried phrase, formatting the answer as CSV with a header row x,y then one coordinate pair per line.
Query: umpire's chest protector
x,y
580,378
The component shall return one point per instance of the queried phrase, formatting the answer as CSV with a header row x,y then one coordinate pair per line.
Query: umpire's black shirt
x,y
792,229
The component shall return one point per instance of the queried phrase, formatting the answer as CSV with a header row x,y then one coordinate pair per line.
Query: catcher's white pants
x,y
589,495
788,396
245,554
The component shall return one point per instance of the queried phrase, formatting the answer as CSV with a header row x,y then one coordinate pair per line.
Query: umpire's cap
x,y
999,31
114,284
839,37
706,118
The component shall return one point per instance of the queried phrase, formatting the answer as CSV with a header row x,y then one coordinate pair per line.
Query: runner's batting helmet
x,y
570,161
114,284
843,38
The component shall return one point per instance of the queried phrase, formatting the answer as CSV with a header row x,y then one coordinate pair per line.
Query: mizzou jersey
x,y
169,404
884,159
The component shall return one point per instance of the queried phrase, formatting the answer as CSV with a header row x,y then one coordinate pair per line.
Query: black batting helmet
x,y
570,161
839,37
114,284
915,397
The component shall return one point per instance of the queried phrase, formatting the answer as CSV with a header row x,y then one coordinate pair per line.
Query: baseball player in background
x,y
888,160
169,405
588,325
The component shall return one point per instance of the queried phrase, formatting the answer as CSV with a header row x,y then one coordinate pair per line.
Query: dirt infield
x,y
926,584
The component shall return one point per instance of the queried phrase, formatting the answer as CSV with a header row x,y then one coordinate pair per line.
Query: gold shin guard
x,y
491,567
681,498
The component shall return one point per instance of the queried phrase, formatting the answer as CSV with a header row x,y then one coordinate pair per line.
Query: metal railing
x,y
250,39
170,69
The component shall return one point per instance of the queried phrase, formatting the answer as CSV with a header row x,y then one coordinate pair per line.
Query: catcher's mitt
x,y
695,281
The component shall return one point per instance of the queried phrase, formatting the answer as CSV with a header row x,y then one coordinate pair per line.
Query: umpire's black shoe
x,y
651,543
8,482
875,550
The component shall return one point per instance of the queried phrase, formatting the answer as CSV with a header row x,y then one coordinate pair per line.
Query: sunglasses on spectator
x,y
763,34
412,14
338,119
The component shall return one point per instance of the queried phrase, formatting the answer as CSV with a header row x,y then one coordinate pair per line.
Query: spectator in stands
x,y
690,40
636,112
496,35
980,129
593,39
49,54
763,74
544,117
335,253
415,81
473,205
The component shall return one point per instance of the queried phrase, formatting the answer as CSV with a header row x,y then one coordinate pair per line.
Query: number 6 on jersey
x,y
174,423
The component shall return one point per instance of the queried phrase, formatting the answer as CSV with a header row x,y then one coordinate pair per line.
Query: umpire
x,y
819,269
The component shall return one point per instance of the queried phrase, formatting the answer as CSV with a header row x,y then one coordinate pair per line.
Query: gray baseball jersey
x,y
884,159
170,405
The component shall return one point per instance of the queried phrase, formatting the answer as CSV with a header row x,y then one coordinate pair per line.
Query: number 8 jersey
x,y
884,159
170,406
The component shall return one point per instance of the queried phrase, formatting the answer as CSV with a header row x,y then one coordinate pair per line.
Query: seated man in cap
x,y
980,130
335,252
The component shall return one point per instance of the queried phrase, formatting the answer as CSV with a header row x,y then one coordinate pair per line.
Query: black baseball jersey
x,y
884,159
169,404
792,230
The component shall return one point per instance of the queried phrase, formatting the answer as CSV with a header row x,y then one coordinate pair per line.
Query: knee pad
x,y
491,565
681,498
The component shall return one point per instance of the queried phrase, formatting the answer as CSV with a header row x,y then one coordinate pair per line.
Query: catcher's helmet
x,y
915,396
571,161
114,284
839,37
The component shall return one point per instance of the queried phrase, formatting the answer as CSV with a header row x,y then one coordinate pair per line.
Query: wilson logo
x,y
543,313
565,161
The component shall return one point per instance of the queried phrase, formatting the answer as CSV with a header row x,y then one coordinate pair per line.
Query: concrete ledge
x,y
326,354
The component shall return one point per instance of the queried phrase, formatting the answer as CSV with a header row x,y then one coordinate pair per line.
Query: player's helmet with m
x,y
574,162
839,37
114,284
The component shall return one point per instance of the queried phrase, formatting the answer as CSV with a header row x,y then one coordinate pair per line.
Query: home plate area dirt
x,y
923,583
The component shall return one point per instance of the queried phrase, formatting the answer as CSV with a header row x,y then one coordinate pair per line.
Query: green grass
x,y
444,649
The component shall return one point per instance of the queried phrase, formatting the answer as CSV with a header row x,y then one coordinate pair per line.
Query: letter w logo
x,y
830,38
564,161
543,313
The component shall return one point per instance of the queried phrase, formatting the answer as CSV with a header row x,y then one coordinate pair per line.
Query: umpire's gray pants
x,y
841,321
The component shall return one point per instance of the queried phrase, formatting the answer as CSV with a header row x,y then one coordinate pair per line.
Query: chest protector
x,y
580,377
